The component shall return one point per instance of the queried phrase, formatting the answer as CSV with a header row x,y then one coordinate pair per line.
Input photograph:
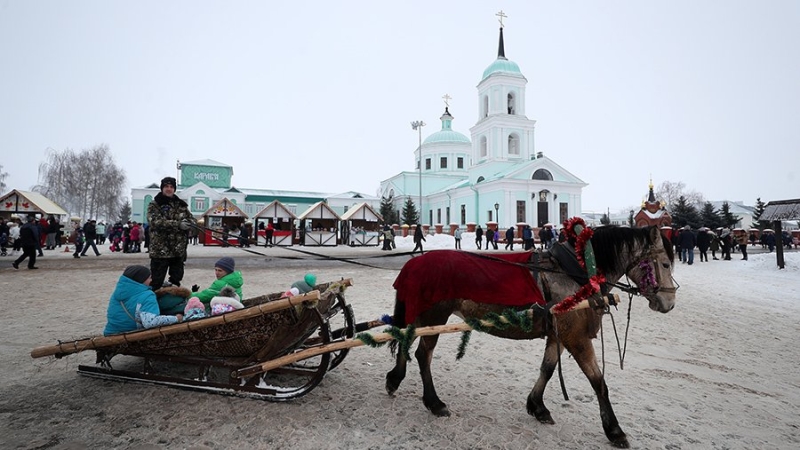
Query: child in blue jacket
x,y
133,305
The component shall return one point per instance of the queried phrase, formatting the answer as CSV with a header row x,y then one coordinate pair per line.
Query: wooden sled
x,y
212,353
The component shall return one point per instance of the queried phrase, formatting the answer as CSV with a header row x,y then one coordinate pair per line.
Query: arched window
x,y
542,174
513,144
480,178
484,147
512,108
200,192
391,193
485,106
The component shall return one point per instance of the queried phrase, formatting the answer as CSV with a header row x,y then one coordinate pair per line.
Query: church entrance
x,y
542,214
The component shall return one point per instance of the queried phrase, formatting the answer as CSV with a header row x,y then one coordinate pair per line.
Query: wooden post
x,y
779,243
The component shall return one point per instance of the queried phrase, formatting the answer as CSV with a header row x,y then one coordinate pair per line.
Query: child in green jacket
x,y
226,276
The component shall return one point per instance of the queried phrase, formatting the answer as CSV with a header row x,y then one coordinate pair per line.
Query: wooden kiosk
x,y
224,215
318,226
360,226
282,221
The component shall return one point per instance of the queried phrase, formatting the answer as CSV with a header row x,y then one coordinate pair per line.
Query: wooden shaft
x,y
379,337
119,339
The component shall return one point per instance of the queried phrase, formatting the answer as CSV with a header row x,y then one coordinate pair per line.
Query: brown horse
x,y
640,253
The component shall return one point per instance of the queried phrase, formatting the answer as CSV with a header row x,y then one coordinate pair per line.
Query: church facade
x,y
496,176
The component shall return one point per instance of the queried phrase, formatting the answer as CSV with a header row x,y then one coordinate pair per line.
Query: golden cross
x,y
447,98
502,16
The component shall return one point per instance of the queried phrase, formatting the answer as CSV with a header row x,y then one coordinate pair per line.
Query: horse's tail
x,y
398,320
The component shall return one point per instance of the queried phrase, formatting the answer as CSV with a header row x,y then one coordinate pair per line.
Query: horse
x,y
642,254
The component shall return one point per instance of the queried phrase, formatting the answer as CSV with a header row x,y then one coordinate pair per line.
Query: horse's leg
x,y
583,352
424,355
535,402
395,376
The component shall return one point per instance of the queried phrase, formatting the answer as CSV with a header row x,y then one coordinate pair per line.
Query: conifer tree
x,y
728,219
760,207
410,214
684,213
710,217
388,212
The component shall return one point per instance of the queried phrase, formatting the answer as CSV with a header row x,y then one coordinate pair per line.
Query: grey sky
x,y
319,95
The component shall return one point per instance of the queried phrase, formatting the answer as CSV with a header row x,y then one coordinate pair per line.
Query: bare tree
x,y
88,184
670,192
3,176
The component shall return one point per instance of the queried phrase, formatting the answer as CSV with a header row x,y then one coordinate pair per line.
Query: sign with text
x,y
215,177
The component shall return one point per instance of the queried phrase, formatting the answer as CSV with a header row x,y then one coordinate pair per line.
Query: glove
x,y
184,225
195,288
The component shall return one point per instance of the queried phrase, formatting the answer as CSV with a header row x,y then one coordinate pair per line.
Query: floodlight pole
x,y
417,125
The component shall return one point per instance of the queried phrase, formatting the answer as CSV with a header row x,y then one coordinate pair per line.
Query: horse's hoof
x,y
542,414
441,412
439,409
621,443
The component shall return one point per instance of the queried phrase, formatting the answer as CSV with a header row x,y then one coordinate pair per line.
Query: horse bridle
x,y
648,265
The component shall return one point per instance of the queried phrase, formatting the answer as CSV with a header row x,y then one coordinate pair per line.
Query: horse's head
x,y
652,273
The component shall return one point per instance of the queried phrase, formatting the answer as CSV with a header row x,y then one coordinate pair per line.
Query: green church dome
x,y
448,136
504,66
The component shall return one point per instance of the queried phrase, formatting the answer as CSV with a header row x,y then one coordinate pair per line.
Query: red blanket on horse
x,y
449,274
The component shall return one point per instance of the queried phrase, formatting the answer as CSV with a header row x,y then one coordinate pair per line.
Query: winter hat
x,y
226,263
169,181
193,302
293,292
139,274
310,279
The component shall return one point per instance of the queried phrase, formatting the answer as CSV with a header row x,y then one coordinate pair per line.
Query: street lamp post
x,y
497,214
417,126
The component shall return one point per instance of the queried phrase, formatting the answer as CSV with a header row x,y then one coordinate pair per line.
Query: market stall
x,y
360,226
277,216
219,220
318,226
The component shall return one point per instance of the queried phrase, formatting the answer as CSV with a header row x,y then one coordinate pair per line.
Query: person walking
x,y
510,238
703,242
714,246
418,238
457,236
725,238
742,239
527,238
169,219
29,240
687,242
90,234
479,237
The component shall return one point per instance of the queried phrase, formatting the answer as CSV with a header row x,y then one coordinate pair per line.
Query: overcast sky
x,y
318,95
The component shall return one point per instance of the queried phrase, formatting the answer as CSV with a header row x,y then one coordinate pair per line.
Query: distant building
x,y
204,182
497,175
653,212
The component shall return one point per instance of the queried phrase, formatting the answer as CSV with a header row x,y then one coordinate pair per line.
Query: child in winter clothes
x,y
226,276
194,310
307,284
133,304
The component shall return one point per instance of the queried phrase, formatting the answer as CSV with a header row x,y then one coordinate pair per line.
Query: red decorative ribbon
x,y
593,286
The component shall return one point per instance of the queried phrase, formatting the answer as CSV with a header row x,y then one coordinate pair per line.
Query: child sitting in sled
x,y
133,304
226,275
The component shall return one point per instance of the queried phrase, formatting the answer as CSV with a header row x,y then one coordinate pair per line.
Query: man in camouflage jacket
x,y
170,220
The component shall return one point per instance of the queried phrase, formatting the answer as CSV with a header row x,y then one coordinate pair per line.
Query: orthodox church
x,y
495,177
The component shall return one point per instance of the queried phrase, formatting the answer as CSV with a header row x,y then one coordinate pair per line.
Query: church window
x,y
521,211
542,174
463,214
480,178
513,144
485,106
443,162
484,146
391,193
460,162
510,104
447,214
427,164
438,215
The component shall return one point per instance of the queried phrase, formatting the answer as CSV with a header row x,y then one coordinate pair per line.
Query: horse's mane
x,y
611,242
